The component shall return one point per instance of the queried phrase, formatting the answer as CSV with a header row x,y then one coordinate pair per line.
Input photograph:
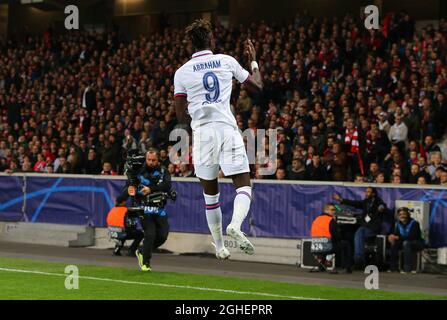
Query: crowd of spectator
x,y
349,104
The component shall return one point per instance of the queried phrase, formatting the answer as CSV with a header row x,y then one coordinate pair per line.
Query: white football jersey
x,y
206,82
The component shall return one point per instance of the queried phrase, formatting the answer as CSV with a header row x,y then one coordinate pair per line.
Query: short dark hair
x,y
373,190
153,150
404,209
199,33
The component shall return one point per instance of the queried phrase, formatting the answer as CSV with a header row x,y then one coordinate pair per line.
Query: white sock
x,y
241,206
214,219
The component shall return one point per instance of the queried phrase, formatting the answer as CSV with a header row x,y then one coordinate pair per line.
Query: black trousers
x,y
131,234
136,235
156,230
343,251
410,248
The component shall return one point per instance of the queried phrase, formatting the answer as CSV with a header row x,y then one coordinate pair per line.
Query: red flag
x,y
386,25
422,151
362,168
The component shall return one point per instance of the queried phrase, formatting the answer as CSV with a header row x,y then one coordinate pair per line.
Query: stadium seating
x,y
75,103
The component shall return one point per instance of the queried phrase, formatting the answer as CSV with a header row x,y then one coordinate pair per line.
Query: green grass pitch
x,y
31,279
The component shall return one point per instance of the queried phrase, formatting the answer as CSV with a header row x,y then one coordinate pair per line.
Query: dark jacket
x,y
411,231
296,175
375,208
316,173
157,179
90,100
93,166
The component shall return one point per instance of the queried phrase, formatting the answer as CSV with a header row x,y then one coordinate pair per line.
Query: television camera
x,y
132,167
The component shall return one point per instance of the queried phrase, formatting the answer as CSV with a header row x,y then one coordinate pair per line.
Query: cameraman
x,y
152,178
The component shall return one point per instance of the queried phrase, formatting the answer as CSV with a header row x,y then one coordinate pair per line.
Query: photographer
x,y
123,227
151,179
325,226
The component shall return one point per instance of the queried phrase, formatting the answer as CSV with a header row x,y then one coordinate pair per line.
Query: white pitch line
x,y
163,285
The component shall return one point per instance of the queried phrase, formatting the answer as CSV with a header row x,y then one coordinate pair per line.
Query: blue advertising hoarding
x,y
280,210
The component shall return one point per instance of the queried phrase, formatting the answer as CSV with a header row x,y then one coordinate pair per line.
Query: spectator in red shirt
x,y
40,164
107,170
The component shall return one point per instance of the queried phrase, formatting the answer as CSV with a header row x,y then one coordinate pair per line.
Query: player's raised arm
x,y
254,81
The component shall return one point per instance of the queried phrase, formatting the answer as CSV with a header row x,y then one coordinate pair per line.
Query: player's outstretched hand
x,y
250,51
